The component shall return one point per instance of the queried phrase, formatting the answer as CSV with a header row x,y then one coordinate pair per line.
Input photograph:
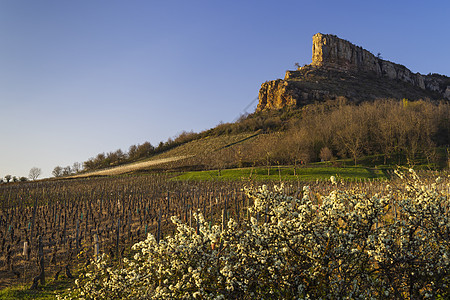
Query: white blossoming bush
x,y
346,245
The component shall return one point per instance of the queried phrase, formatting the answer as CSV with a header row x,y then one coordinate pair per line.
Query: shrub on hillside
x,y
343,245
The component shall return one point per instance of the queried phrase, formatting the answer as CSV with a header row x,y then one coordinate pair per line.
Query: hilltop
x,y
342,69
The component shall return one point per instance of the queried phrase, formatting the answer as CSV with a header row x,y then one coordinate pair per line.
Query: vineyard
x,y
64,222
49,229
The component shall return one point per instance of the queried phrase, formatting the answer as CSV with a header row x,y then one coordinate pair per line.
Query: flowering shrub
x,y
344,245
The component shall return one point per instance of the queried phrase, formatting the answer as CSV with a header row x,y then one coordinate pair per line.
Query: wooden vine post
x,y
33,220
97,247
158,236
117,242
41,260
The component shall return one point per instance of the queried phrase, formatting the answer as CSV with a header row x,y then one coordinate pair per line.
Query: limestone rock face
x,y
331,51
335,61
279,93
275,95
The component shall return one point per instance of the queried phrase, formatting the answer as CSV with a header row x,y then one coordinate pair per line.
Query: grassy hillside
x,y
186,156
372,133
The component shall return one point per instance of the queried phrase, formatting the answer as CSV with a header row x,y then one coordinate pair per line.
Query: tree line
x,y
10,178
399,132
33,175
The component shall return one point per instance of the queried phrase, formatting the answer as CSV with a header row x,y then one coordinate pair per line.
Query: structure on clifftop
x,y
341,69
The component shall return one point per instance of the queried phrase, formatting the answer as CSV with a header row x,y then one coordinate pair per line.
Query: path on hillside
x,y
131,167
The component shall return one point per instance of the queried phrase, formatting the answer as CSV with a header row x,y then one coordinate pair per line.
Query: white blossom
x,y
353,246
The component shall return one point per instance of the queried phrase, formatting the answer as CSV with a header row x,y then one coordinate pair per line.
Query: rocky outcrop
x,y
344,61
332,52
277,94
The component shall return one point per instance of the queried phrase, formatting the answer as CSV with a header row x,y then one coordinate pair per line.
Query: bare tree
x,y
76,167
8,178
387,127
350,131
132,152
67,171
325,154
34,173
57,171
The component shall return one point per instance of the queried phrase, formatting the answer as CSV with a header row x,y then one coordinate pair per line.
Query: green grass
x,y
286,173
49,291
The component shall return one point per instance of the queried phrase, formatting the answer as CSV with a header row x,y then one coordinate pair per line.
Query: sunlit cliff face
x,y
332,54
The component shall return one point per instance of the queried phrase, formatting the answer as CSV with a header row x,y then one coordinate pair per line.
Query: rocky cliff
x,y
341,69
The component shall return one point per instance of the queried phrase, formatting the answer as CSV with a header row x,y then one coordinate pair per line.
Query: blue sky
x,y
78,78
